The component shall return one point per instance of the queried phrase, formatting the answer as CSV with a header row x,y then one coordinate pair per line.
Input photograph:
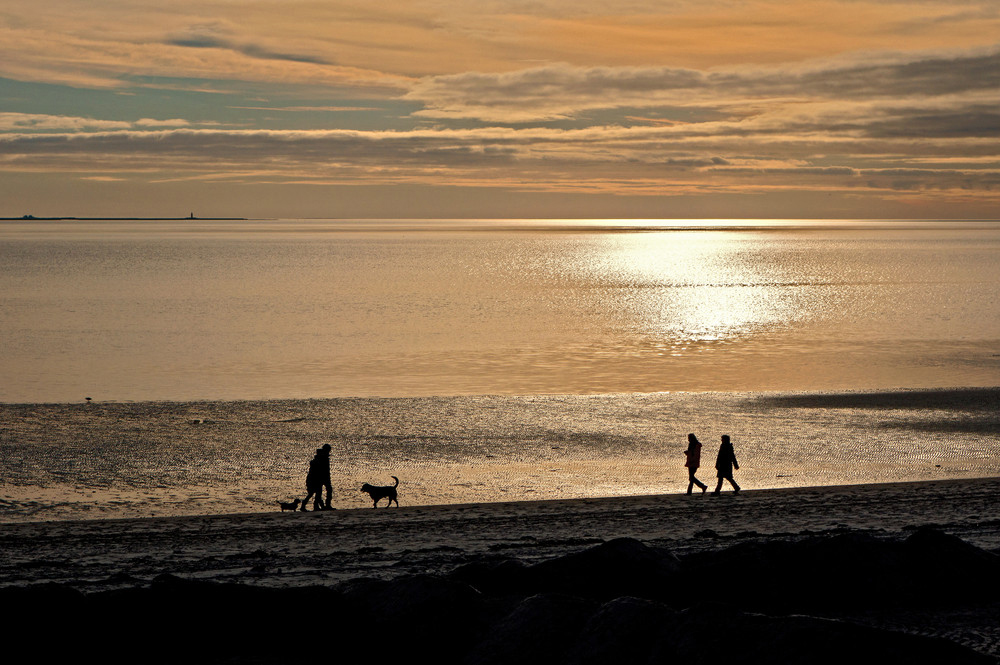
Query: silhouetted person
x,y
725,463
693,454
312,487
318,478
324,475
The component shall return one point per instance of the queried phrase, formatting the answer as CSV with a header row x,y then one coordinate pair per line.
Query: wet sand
x,y
159,459
295,549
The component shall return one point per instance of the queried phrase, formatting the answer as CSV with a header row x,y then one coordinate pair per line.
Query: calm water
x,y
279,309
595,341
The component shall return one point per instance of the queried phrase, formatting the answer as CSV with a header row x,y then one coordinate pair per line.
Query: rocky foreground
x,y
851,596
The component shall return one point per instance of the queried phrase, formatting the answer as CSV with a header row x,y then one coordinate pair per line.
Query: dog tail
x,y
396,479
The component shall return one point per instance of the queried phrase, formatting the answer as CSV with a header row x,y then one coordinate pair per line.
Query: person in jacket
x,y
693,454
725,463
323,476
318,478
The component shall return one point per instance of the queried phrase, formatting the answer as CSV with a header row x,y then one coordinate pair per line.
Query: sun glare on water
x,y
684,289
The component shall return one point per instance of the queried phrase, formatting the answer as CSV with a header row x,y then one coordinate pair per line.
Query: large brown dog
x,y
379,492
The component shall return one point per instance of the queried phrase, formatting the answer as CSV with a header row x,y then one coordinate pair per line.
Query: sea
x,y
168,367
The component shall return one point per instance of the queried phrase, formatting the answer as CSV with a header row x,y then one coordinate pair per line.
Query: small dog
x,y
293,506
379,492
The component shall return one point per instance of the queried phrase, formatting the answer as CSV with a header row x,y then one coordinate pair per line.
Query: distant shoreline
x,y
573,224
30,218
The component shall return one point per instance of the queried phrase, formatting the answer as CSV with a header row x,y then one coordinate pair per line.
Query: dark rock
x,y
620,567
423,615
494,577
541,629
928,545
624,630
848,570
722,632
220,622
37,600
45,622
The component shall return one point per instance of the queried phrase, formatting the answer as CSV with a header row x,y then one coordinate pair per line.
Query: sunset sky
x,y
500,108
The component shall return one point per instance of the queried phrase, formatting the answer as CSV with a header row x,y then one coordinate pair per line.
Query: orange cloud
x,y
337,42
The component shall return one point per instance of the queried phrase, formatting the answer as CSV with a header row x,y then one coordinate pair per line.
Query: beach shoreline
x,y
365,541
868,528
149,459
414,563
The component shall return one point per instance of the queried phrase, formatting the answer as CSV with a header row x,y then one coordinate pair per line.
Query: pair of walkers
x,y
318,478
725,463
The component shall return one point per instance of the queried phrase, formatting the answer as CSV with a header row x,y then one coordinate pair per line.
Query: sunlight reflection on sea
x,y
296,309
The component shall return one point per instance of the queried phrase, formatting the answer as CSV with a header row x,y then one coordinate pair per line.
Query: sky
x,y
501,108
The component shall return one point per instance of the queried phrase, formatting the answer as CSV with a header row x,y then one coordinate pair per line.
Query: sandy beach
x,y
161,459
868,530
507,554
